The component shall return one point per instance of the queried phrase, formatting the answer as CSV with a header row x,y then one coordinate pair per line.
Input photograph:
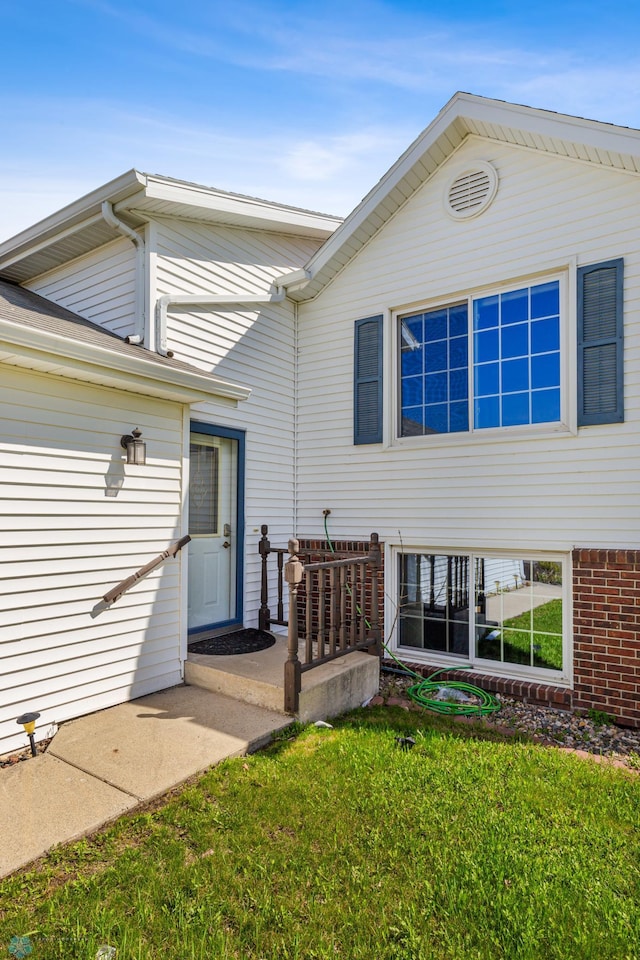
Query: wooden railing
x,y
116,592
333,608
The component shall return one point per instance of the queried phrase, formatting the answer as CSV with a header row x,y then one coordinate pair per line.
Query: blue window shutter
x,y
600,343
367,400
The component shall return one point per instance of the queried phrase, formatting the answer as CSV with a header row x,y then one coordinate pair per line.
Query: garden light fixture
x,y
28,721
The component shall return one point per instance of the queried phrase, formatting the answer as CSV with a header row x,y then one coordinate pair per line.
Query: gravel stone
x,y
560,728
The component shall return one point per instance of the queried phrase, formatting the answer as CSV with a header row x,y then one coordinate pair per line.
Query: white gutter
x,y
198,300
109,216
142,369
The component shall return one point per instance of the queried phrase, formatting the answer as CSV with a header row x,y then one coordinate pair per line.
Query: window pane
x,y
458,417
436,388
203,489
545,300
436,418
434,603
514,306
435,325
458,385
487,379
515,341
435,356
513,604
486,346
458,322
545,335
515,409
515,375
485,313
487,412
434,343
412,421
545,406
412,391
529,359
411,360
520,612
545,370
458,353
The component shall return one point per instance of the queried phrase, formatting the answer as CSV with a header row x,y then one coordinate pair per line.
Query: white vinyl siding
x,y
252,345
504,492
76,520
100,286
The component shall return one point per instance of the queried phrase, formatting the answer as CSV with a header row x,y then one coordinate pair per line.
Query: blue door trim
x,y
228,433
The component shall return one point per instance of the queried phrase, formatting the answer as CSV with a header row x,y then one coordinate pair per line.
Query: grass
x,y
542,632
337,844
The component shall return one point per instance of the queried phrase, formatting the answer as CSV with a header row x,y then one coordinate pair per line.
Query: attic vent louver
x,y
470,191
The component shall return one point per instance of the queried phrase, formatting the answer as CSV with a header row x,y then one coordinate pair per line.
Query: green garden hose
x,y
424,690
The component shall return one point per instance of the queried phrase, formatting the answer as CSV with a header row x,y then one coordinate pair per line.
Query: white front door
x,y
213,528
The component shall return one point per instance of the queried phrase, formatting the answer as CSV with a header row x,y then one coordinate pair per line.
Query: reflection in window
x,y
505,609
514,353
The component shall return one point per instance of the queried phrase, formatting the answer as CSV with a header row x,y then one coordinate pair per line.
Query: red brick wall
x,y
317,551
606,632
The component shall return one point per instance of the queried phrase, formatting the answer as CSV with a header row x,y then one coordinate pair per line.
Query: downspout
x,y
197,300
109,216
295,418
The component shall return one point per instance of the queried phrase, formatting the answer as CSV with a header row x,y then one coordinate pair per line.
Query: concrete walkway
x,y
100,766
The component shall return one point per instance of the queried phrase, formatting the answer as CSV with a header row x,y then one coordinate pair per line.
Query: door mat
x,y
249,640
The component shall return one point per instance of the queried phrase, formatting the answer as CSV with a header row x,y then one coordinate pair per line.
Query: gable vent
x,y
469,192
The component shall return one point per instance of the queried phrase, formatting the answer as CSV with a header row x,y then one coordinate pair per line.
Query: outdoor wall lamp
x,y
28,721
135,447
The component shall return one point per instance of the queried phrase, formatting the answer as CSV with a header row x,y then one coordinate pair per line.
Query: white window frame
x,y
496,668
566,276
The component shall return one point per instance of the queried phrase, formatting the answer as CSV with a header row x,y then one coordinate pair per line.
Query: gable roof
x,y
464,115
42,335
136,198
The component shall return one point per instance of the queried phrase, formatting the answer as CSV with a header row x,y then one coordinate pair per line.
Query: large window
x,y
490,361
483,608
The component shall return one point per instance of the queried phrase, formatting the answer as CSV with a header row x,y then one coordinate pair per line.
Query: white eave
x,y
137,198
465,115
51,353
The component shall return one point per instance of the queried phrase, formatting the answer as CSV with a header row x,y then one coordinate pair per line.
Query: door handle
x,y
226,544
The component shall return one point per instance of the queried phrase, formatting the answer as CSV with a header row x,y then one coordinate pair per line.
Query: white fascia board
x,y
294,278
249,207
80,213
546,123
138,373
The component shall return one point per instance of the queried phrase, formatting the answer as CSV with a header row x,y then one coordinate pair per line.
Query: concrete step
x,y
258,678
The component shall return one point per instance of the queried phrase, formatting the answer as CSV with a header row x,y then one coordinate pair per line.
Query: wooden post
x,y
264,549
293,573
375,562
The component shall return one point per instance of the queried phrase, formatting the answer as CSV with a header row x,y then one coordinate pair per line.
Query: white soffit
x,y
188,201
137,197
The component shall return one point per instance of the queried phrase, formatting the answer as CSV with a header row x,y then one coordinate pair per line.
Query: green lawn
x,y
338,844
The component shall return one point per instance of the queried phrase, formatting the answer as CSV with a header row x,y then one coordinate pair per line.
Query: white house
x,y
456,366
477,320
150,260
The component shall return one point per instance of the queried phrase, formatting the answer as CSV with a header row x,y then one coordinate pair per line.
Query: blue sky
x,y
303,102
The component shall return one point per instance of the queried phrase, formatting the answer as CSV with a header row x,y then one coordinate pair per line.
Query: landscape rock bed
x,y
10,759
559,728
